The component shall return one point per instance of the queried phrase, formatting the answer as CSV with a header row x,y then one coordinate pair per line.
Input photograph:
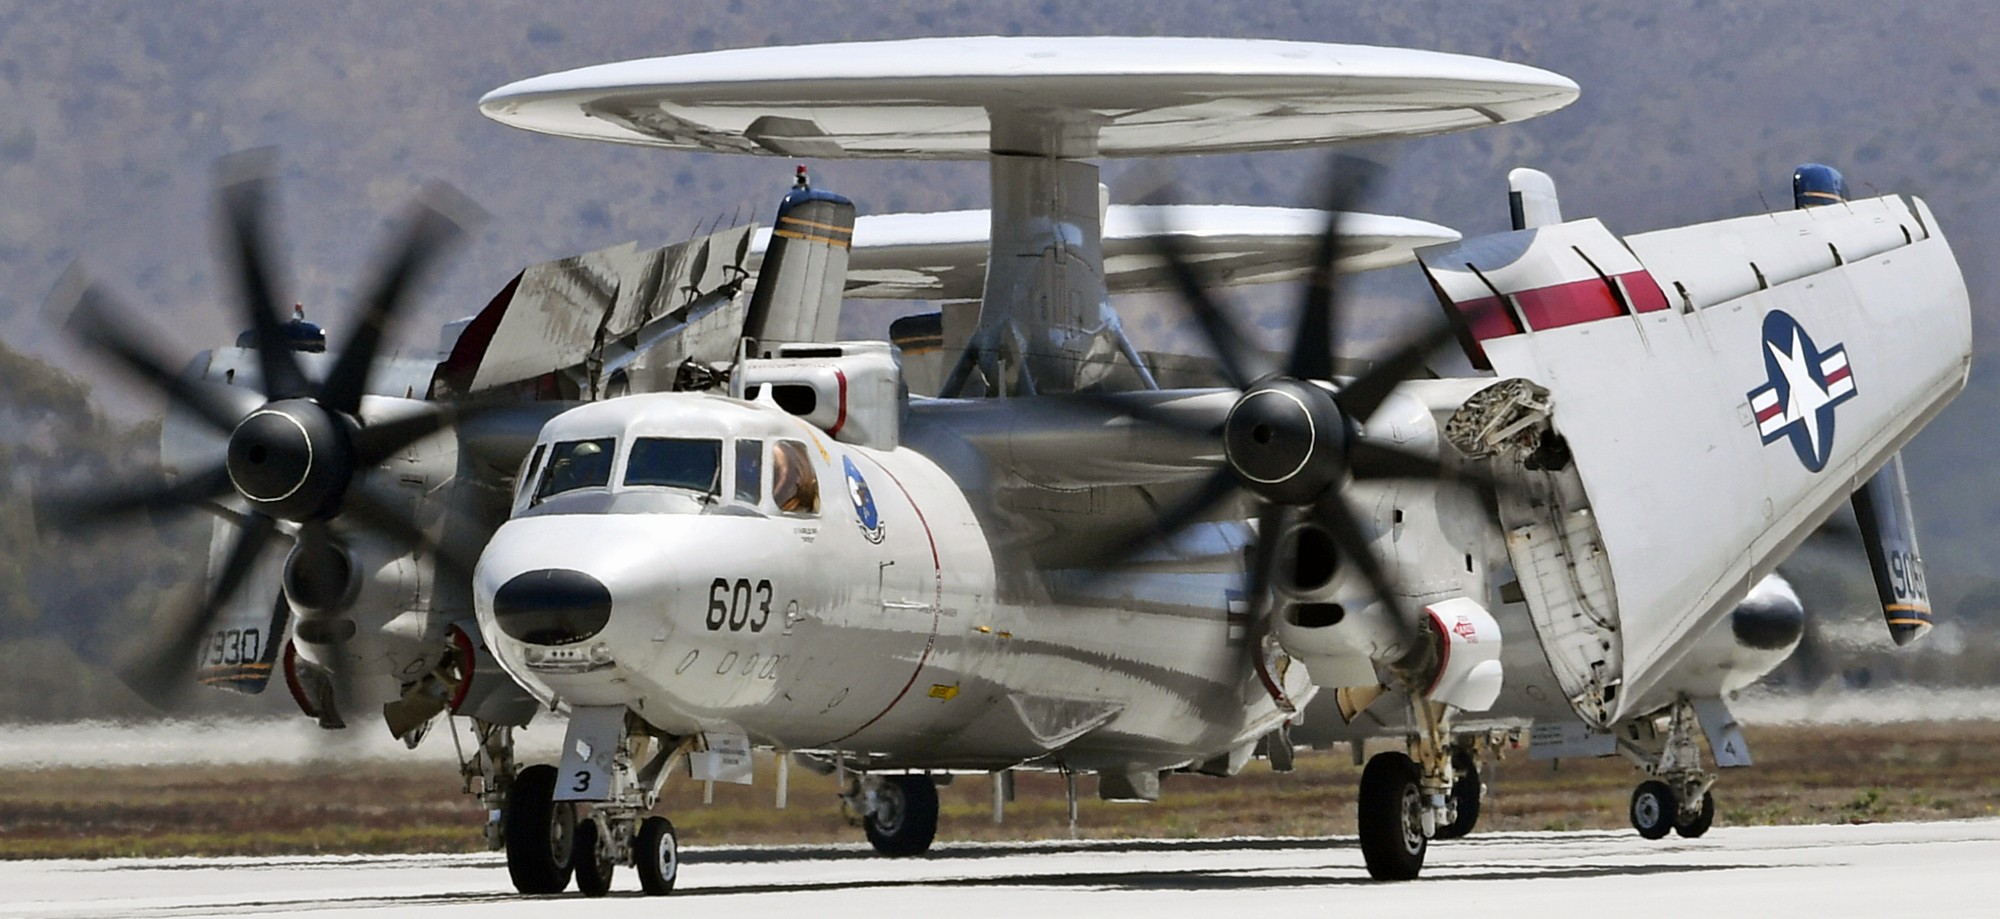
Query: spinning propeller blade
x,y
294,454
1291,438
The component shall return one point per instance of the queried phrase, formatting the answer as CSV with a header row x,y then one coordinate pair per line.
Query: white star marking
x,y
1807,395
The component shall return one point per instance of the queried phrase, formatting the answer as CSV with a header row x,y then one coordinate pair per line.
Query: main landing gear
x,y
1656,810
1409,799
898,812
1677,797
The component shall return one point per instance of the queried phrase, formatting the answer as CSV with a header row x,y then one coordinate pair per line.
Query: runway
x,y
1880,869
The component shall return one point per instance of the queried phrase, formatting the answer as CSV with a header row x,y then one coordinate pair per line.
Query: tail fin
x,y
799,286
1531,197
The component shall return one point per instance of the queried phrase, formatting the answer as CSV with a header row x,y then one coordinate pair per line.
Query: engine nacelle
x,y
853,390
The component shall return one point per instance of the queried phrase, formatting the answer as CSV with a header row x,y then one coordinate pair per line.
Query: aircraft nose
x,y
552,606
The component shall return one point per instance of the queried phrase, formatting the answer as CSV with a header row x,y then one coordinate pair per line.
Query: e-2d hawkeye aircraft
x,y
949,607
1042,568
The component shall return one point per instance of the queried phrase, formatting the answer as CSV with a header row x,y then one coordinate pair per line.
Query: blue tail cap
x,y
1817,185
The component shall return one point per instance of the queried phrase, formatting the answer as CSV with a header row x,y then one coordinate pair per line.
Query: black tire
x,y
1654,809
1465,794
656,853
1691,829
1391,818
541,834
905,819
593,865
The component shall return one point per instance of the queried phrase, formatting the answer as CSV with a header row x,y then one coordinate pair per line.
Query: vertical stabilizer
x,y
798,292
1531,199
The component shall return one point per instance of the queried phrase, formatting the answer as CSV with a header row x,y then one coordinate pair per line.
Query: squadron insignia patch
x,y
863,500
1805,383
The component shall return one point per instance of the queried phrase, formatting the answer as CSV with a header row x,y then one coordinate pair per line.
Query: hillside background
x,y
111,114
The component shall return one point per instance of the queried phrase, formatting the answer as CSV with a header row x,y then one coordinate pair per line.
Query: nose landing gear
x,y
548,841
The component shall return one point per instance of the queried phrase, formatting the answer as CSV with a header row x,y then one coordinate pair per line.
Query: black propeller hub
x,y
291,459
1286,440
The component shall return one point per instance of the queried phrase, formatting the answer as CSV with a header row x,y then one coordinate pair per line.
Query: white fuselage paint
x,y
897,648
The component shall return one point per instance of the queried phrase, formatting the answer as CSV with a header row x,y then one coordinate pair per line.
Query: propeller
x,y
1290,440
295,450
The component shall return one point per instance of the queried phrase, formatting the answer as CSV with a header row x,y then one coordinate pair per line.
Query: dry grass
x,y
1803,775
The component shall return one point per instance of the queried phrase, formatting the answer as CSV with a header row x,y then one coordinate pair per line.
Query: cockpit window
x,y
794,485
676,462
528,470
575,464
749,471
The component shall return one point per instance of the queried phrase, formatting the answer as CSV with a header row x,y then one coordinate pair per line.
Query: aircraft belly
x,y
1073,685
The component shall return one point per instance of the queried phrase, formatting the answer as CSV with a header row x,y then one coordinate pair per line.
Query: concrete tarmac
x,y
1880,869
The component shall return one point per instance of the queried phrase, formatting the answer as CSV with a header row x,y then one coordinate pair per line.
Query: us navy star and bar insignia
x,y
1804,384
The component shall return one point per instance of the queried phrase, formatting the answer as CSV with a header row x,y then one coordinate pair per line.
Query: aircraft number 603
x,y
739,605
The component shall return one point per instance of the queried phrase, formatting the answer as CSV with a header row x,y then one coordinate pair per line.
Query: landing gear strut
x,y
1466,790
1432,792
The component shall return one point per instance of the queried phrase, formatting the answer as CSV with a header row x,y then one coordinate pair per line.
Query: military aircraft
x,y
723,530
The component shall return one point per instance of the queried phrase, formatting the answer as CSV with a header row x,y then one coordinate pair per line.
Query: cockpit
x,y
632,472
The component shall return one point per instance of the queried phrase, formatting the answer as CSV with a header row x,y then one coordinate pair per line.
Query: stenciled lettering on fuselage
x,y
865,514
1804,385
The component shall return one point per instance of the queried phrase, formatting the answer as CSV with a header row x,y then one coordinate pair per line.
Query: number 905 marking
x,y
1906,577
739,605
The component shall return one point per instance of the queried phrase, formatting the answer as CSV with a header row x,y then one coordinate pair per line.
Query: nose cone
x,y
552,606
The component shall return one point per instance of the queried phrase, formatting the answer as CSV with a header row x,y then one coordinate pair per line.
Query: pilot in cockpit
x,y
794,485
577,464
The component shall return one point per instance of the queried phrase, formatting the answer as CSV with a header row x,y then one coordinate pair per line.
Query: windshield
x,y
575,464
676,462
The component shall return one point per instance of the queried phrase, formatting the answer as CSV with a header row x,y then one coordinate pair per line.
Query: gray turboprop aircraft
x,y
724,531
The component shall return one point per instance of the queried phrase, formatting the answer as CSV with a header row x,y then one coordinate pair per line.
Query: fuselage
x,y
719,565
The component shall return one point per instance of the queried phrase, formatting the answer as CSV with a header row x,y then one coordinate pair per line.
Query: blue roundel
x,y
863,500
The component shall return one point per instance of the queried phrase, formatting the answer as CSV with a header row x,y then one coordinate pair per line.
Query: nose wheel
x,y
541,833
594,860
656,853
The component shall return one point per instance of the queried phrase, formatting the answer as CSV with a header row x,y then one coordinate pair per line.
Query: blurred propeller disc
x,y
294,451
